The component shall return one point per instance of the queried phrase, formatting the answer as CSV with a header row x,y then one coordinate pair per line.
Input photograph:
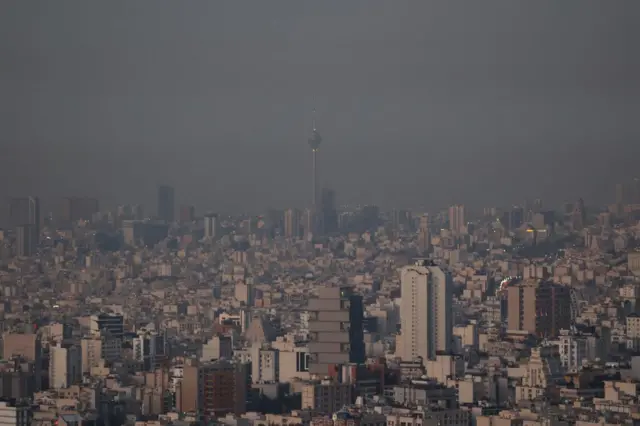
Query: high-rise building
x,y
517,217
26,240
274,223
424,237
537,205
328,214
187,214
64,366
211,226
114,324
130,212
578,217
149,349
426,318
25,211
219,388
540,307
265,363
326,396
401,219
90,352
166,203
137,212
292,224
28,346
369,218
457,225
308,222
514,218
244,292
129,232
18,381
78,208
335,330
573,348
16,413
111,328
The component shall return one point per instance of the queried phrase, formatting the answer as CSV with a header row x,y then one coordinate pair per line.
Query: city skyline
x,y
180,246
58,209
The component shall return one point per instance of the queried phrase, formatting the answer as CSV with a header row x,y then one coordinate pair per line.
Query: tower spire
x,y
315,139
314,144
313,117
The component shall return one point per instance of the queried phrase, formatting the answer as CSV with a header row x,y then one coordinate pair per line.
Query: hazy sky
x,y
419,102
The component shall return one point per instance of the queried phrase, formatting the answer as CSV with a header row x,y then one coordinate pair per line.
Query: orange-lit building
x,y
539,307
213,389
222,388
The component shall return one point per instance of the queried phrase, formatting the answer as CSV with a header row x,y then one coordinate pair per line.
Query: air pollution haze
x,y
418,103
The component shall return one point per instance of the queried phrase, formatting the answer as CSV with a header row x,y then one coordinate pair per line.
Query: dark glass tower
x,y
328,212
356,328
166,203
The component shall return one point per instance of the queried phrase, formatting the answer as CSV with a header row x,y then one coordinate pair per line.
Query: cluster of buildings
x,y
322,317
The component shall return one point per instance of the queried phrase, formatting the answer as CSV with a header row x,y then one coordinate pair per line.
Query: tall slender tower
x,y
314,143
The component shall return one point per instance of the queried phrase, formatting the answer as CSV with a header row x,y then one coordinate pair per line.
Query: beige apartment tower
x,y
64,366
335,330
425,312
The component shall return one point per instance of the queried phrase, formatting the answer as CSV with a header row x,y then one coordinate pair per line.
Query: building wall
x,y
541,308
90,353
335,329
13,415
187,394
64,366
425,312
265,365
326,396
216,348
26,345
294,364
222,389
